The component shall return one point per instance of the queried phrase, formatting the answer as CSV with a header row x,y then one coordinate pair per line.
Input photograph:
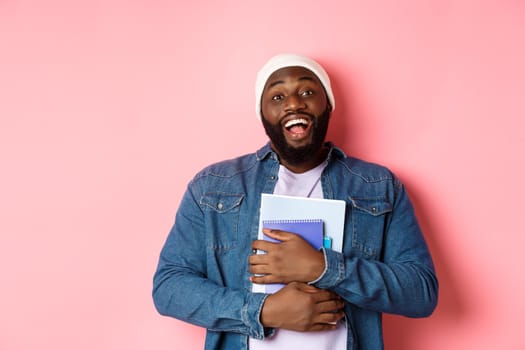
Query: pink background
x,y
109,107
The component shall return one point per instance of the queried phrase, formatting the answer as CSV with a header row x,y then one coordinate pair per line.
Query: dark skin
x,y
295,93
290,95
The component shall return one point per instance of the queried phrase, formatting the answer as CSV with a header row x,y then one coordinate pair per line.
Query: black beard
x,y
299,155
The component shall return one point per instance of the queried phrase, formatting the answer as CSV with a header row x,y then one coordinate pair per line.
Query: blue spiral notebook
x,y
309,229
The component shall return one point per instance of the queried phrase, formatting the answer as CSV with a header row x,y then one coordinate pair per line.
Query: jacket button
x,y
219,205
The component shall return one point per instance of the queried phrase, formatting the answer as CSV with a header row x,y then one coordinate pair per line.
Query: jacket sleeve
x,y
402,281
182,289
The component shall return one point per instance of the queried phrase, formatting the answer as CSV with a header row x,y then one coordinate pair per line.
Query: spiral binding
x,y
290,221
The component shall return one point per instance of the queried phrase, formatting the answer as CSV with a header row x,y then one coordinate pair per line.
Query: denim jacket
x,y
203,277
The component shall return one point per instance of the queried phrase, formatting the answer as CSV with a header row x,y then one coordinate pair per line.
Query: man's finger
x,y
263,245
331,317
278,234
259,269
331,306
323,327
265,279
258,259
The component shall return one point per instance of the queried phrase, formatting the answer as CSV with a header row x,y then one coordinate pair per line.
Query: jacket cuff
x,y
334,271
251,314
325,268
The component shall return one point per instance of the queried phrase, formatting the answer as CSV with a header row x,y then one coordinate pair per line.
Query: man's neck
x,y
306,165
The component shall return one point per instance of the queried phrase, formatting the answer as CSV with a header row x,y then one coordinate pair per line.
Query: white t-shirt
x,y
307,184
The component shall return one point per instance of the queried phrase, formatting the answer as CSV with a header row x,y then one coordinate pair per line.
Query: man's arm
x,y
402,282
182,289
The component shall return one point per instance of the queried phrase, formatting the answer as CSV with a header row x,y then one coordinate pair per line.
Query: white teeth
x,y
293,122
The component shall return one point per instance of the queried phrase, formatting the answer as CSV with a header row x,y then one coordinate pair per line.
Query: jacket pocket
x,y
369,222
222,212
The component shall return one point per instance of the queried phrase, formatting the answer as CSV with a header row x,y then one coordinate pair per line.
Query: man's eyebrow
x,y
306,77
277,82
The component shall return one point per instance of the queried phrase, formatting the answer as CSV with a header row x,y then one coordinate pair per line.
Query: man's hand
x,y
301,307
294,259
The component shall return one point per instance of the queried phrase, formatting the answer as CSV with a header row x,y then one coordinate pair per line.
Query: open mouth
x,y
297,126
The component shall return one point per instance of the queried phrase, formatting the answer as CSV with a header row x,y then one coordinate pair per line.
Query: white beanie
x,y
290,60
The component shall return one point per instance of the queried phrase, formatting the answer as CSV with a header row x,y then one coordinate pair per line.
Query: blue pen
x,y
327,242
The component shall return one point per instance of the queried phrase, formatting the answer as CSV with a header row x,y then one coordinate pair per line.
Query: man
x,y
330,300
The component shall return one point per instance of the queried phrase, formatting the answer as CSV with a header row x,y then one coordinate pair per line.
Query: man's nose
x,y
294,103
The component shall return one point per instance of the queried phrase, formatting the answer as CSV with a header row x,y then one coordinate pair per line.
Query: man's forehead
x,y
296,72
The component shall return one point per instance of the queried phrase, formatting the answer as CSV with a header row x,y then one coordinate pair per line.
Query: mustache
x,y
299,113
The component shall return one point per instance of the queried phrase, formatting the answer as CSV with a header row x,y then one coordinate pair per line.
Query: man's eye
x,y
307,93
277,97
